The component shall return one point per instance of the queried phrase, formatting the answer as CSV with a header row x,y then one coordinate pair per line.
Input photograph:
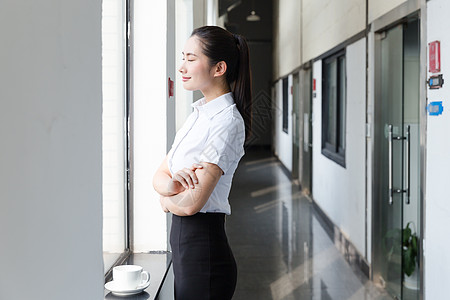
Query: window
x,y
114,132
285,105
334,107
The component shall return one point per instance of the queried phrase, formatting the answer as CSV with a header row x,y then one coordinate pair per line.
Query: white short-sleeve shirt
x,y
214,132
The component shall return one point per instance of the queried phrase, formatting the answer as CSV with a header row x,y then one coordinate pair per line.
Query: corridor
x,y
279,242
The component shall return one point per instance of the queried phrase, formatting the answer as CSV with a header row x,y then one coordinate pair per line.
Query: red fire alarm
x,y
314,88
170,86
434,56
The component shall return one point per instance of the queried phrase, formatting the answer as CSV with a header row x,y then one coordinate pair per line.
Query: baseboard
x,y
341,241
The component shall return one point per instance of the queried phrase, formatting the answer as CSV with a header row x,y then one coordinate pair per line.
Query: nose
x,y
182,69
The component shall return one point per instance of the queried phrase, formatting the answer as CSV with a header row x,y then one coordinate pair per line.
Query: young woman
x,y
194,180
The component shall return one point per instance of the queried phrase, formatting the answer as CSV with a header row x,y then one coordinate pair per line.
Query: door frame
x,y
295,113
306,86
389,20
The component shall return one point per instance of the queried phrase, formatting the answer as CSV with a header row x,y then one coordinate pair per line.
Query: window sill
x,y
157,264
336,157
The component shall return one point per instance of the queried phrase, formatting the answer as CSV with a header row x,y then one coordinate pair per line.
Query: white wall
x,y
339,191
282,140
154,116
51,164
437,204
328,23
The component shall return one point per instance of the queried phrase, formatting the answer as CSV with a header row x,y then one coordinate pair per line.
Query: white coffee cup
x,y
129,277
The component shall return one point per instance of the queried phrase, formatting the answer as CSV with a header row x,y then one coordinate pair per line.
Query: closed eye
x,y
190,56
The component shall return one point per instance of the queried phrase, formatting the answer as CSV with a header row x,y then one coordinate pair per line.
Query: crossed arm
x,y
187,191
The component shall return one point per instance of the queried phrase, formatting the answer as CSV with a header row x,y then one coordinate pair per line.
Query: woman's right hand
x,y
184,179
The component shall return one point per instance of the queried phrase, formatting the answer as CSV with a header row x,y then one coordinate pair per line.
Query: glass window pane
x,y
331,82
342,103
114,143
285,105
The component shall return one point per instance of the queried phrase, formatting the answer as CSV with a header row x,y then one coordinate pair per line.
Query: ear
x,y
220,68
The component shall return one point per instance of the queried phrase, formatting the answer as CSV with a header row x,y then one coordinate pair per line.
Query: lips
x,y
185,78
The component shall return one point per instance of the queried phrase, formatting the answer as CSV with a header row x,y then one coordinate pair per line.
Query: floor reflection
x,y
281,248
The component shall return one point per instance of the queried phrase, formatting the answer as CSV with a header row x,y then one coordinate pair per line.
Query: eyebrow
x,y
189,53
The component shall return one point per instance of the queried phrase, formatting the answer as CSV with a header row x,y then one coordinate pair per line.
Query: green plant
x,y
410,250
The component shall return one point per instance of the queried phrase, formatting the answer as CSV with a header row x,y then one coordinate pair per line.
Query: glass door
x,y
396,161
388,163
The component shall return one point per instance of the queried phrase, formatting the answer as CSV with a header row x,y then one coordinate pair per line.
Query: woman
x,y
194,180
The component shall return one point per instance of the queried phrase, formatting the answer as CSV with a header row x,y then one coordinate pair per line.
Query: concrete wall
x,y
306,29
327,23
377,8
51,163
339,191
286,37
437,205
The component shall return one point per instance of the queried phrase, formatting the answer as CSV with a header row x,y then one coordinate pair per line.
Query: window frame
x,y
285,103
335,150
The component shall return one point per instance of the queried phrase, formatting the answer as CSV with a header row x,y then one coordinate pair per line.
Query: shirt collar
x,y
214,106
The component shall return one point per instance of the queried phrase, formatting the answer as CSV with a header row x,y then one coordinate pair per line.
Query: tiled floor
x,y
281,249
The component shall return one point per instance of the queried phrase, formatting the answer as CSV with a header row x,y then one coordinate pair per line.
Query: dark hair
x,y
222,45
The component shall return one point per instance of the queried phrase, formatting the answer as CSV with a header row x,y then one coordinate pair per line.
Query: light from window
x,y
114,131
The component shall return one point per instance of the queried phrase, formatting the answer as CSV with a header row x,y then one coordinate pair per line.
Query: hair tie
x,y
236,40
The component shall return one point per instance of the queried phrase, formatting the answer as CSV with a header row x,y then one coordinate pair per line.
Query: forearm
x,y
186,203
192,198
161,182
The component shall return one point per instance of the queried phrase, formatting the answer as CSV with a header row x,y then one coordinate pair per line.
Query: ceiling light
x,y
253,16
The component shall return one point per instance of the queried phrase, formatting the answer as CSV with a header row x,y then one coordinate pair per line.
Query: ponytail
x,y
221,45
242,89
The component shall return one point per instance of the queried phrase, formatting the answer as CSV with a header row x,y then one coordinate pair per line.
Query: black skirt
x,y
203,264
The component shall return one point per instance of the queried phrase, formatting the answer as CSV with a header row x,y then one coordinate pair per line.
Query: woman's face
x,y
196,72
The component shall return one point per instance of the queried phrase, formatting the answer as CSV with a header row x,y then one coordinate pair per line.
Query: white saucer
x,y
111,286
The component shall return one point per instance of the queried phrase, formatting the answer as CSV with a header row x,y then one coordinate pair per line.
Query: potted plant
x,y
410,255
408,252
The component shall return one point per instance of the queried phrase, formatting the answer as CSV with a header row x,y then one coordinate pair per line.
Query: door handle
x,y
391,199
408,163
294,126
391,139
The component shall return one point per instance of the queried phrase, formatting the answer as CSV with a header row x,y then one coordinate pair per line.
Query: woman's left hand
x,y
184,179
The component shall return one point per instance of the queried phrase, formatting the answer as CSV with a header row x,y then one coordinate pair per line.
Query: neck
x,y
213,93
